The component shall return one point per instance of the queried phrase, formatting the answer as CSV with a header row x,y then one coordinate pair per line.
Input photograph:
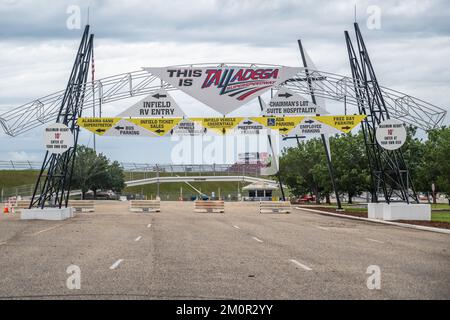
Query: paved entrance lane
x,y
240,254
197,255
414,264
36,265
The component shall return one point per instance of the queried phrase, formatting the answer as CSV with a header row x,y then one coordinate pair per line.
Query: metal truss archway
x,y
326,85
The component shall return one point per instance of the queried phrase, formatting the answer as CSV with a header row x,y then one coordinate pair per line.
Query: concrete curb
x,y
397,224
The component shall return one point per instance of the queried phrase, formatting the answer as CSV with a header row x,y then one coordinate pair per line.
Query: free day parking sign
x,y
57,138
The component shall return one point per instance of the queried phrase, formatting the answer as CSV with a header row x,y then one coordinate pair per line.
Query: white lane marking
x,y
300,264
373,240
149,225
45,230
138,238
115,264
236,227
323,228
255,238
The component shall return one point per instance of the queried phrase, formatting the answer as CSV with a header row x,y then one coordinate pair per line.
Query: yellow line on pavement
x,y
48,229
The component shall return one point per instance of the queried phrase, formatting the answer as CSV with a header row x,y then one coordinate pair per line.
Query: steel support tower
x,y
389,172
53,184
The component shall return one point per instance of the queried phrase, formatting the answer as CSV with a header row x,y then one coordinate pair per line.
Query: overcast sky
x,y
410,50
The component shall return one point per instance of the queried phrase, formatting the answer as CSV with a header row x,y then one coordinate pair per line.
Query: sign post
x,y
327,151
274,157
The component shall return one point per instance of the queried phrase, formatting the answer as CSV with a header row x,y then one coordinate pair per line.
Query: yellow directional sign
x,y
342,123
159,126
238,125
283,124
218,125
97,125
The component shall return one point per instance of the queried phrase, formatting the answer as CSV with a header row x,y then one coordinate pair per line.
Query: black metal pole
x,y
273,153
328,155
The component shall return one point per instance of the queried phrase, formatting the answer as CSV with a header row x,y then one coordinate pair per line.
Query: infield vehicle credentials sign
x,y
218,125
391,134
57,138
224,88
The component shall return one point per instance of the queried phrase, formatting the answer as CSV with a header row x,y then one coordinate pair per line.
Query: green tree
x,y
304,169
350,163
435,165
92,171
116,177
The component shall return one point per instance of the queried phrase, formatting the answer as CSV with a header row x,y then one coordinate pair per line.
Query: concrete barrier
x,y
399,211
275,207
47,214
145,205
209,206
21,204
82,205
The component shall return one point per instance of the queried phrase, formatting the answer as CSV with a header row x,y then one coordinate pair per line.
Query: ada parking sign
x,y
57,138
391,134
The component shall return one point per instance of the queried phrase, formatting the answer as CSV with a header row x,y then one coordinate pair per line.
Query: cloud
x,y
256,22
21,156
409,52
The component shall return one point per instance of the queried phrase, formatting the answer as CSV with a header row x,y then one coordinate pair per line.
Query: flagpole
x,y
93,92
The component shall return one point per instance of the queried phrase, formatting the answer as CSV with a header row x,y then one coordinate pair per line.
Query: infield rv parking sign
x,y
224,88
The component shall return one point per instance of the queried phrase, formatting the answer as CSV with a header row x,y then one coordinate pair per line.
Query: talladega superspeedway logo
x,y
242,82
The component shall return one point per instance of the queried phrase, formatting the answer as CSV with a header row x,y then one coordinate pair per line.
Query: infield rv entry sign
x,y
224,88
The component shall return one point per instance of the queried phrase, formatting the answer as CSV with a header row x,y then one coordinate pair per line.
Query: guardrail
x,y
156,168
139,171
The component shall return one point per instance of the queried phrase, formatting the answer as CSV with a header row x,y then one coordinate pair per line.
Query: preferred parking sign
x,y
57,138
391,134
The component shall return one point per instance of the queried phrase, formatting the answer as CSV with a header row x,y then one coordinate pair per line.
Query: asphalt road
x,y
239,254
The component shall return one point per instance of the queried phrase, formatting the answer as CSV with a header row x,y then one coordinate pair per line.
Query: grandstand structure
x,y
251,169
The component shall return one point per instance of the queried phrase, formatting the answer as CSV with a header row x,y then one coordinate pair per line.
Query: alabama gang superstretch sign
x,y
224,88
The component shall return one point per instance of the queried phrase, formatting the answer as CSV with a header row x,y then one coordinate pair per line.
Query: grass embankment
x,y
13,178
171,191
440,216
440,212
